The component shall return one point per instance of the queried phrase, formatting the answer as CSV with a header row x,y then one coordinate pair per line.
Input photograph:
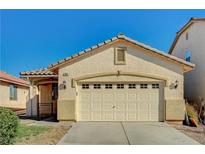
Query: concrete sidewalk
x,y
125,133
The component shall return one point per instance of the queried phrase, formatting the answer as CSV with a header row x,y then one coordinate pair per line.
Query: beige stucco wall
x,y
22,96
194,80
138,61
32,105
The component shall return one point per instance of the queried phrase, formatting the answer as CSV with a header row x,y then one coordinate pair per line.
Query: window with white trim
x,y
13,92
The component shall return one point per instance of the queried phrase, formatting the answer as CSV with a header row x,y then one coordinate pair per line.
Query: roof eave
x,y
25,76
14,82
178,60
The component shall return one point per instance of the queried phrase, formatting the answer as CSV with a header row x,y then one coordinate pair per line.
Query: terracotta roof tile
x,y
123,37
11,79
43,71
47,71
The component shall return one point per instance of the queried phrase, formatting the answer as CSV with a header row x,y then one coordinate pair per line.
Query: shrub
x,y
192,113
8,126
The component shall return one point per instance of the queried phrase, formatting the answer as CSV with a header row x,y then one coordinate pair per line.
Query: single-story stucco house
x,y
14,92
119,79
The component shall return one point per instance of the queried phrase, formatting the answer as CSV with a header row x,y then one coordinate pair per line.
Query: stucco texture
x,y
22,96
194,80
139,61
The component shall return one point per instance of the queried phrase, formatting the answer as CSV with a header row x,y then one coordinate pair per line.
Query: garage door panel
x,y
96,116
132,106
132,96
123,104
143,96
85,96
120,96
120,106
143,116
84,107
120,116
96,97
108,116
143,106
108,96
107,106
154,117
132,116
84,116
153,107
96,107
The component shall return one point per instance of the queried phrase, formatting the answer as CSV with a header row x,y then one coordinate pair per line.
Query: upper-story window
x,y
120,55
187,36
188,56
13,92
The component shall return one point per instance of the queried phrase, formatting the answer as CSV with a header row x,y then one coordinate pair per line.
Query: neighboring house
x,y
189,45
13,92
117,80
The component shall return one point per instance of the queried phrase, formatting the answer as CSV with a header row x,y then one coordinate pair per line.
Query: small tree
x,y
8,126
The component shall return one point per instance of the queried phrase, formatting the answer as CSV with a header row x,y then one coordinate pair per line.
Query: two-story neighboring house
x,y
189,44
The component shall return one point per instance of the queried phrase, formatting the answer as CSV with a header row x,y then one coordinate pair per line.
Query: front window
x,y
188,56
13,92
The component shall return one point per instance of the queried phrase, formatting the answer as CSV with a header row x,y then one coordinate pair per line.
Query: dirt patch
x,y
194,132
50,137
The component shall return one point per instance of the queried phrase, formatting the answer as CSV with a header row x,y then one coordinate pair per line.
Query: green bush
x,y
8,126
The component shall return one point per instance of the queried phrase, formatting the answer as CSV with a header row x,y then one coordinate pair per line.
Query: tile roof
x,y
178,34
43,71
122,37
11,79
48,71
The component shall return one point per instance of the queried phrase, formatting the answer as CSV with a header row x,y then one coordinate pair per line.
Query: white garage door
x,y
119,102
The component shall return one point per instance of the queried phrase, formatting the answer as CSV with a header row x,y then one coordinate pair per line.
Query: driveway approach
x,y
135,133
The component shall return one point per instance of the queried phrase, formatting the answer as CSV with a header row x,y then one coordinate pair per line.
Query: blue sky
x,y
33,39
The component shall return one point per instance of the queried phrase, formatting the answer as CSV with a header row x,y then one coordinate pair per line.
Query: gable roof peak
x,y
186,26
121,35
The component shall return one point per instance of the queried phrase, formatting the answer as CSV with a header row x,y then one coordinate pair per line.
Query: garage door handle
x,y
113,106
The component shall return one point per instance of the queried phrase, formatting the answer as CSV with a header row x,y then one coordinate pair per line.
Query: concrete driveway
x,y
134,133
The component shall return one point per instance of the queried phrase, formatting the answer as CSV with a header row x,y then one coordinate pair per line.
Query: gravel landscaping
x,y
194,132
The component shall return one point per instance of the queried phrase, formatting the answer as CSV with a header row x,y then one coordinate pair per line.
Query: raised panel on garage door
x,y
119,102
